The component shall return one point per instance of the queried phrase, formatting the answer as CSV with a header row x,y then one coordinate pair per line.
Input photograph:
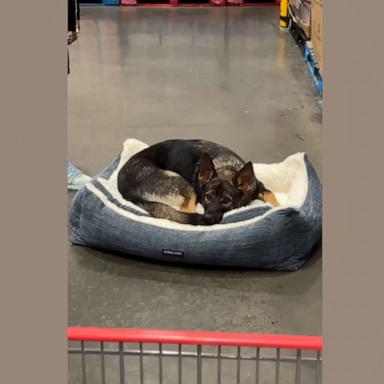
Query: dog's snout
x,y
213,217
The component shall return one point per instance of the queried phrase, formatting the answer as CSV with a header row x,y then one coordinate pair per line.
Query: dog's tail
x,y
163,211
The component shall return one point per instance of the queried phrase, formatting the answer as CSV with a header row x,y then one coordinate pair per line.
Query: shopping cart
x,y
122,356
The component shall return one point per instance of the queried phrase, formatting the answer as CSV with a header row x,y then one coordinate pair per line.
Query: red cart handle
x,y
195,338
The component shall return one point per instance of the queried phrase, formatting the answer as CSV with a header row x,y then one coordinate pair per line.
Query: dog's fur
x,y
168,179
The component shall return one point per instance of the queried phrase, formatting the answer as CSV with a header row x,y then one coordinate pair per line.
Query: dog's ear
x,y
245,179
206,170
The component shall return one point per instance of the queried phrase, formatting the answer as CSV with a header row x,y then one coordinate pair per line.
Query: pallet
x,y
313,66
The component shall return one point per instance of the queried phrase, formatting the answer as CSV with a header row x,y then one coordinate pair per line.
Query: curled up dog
x,y
170,178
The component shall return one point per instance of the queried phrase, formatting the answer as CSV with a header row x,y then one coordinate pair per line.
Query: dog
x,y
170,178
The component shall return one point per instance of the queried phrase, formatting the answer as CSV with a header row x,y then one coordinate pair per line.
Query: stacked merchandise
x,y
307,16
300,12
306,26
313,51
317,31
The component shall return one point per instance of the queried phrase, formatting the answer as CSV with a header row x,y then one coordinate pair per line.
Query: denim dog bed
x,y
257,236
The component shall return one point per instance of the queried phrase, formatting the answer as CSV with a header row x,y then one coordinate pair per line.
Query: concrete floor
x,y
224,74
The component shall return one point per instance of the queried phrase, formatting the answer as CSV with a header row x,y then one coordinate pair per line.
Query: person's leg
x,y
75,178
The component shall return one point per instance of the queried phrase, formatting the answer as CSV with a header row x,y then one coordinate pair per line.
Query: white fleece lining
x,y
163,223
288,180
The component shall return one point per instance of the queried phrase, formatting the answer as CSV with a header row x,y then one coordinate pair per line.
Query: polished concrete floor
x,y
225,74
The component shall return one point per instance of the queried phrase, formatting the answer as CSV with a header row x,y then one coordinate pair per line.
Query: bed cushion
x,y
257,236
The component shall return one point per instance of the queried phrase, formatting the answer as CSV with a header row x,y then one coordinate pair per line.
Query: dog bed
x,y
257,236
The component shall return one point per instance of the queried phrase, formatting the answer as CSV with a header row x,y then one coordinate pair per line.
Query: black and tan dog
x,y
168,179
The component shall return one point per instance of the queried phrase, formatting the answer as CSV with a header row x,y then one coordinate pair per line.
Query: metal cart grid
x,y
122,356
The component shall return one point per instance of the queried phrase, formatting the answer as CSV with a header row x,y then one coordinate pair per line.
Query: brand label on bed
x,y
171,252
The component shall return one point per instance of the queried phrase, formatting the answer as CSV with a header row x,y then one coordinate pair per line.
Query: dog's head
x,y
220,194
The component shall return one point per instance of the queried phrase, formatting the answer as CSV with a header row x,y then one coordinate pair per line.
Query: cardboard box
x,y
317,31
300,11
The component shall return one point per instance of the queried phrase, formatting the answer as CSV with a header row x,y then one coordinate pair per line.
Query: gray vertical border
x,y
33,282
353,178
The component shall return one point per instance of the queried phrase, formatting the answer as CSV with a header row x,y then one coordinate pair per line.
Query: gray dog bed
x,y
257,236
